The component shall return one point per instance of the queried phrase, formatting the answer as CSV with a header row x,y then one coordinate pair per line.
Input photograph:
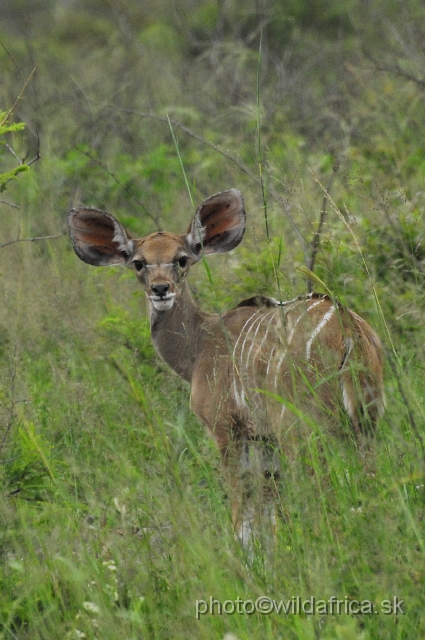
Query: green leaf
x,y
11,175
7,128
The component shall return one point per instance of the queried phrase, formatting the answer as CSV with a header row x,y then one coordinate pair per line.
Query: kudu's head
x,y
161,260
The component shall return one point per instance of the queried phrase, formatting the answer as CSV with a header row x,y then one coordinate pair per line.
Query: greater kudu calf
x,y
261,375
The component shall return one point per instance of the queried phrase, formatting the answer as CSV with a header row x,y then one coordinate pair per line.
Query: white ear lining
x,y
196,235
124,244
199,236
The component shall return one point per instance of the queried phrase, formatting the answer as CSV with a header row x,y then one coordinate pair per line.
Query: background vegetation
x,y
114,515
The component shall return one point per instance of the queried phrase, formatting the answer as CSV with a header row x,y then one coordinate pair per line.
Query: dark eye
x,y
182,261
138,264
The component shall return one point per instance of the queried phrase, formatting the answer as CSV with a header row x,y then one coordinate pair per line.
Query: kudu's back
x,y
269,367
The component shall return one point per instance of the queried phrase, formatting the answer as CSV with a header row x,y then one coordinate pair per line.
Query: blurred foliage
x,y
115,519
6,128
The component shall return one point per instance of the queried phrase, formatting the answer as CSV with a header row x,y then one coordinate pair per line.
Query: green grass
x,y
115,519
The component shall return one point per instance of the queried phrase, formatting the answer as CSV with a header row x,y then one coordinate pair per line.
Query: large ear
x,y
98,238
218,224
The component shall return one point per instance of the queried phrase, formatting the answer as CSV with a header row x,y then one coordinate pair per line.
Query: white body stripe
x,y
314,304
241,332
291,333
279,364
328,315
246,338
240,397
347,401
247,348
261,343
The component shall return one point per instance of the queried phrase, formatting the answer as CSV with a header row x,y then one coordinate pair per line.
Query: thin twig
x,y
406,403
35,158
6,244
13,60
9,424
9,148
263,181
10,204
239,163
7,460
361,254
398,71
37,153
124,187
18,99
315,243
176,146
22,162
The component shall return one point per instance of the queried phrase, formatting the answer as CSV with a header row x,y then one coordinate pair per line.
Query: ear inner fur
x,y
219,223
98,238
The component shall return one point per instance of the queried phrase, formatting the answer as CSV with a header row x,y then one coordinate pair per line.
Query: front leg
x,y
237,471
251,468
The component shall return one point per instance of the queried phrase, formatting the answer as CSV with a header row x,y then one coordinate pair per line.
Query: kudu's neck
x,y
177,333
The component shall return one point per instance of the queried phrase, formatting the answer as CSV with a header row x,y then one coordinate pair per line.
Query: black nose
x,y
160,289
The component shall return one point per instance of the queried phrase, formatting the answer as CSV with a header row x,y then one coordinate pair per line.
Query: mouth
x,y
163,304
